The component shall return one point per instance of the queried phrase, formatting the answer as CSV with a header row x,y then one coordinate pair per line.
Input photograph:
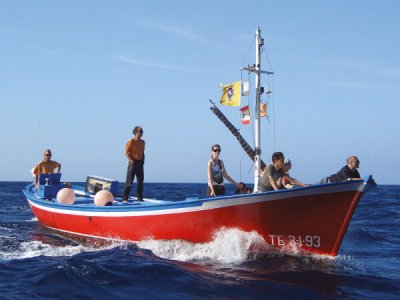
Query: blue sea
x,y
38,263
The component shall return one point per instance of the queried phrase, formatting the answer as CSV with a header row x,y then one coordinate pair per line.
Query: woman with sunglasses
x,y
46,166
216,173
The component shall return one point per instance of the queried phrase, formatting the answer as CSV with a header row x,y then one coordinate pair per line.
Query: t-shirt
x,y
135,149
265,184
344,174
46,167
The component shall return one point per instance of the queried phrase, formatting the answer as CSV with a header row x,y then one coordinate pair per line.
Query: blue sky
x,y
77,76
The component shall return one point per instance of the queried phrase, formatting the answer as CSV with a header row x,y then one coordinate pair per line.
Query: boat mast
x,y
259,90
257,130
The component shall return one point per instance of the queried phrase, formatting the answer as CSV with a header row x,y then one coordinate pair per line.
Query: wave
x,y
51,244
36,248
230,246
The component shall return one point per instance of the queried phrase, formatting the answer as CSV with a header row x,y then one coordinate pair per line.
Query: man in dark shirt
x,y
348,172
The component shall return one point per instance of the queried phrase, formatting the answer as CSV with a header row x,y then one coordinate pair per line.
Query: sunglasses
x,y
140,131
217,150
48,154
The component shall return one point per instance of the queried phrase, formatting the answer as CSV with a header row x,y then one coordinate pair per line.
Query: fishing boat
x,y
311,219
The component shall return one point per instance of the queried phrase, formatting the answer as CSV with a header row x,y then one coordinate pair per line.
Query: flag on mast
x,y
263,109
245,115
245,88
231,94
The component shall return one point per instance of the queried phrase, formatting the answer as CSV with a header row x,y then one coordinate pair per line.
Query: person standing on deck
x,y
216,173
134,151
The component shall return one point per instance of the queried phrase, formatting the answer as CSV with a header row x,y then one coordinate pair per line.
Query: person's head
x,y
215,150
287,165
137,130
242,190
353,162
278,159
47,155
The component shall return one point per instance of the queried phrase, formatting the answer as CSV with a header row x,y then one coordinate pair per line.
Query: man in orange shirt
x,y
134,151
46,166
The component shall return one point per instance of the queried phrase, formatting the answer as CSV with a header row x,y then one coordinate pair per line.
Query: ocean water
x,y
38,263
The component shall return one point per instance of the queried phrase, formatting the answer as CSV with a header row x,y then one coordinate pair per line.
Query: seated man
x,y
46,166
348,172
271,176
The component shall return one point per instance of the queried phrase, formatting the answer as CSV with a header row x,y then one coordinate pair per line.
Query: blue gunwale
x,y
86,203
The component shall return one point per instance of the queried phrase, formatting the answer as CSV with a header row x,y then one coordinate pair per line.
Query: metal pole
x,y
257,130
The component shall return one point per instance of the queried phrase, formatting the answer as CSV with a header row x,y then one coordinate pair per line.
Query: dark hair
x,y
214,146
136,129
277,156
243,190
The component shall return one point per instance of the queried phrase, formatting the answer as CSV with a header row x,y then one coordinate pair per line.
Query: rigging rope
x,y
273,94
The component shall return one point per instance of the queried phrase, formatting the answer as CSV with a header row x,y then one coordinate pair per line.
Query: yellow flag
x,y
231,94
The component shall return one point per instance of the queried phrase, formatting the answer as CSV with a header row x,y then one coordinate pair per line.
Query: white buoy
x,y
66,196
103,198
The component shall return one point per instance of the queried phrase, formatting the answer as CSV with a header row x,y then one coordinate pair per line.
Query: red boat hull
x,y
311,219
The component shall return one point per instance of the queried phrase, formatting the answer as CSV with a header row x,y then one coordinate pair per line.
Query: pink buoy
x,y
66,196
103,198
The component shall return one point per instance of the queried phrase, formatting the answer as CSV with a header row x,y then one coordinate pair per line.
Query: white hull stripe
x,y
153,210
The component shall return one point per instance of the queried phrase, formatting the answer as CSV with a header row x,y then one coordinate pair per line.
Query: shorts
x,y
218,189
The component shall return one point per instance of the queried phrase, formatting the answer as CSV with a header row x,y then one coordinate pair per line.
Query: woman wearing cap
x,y
287,181
216,173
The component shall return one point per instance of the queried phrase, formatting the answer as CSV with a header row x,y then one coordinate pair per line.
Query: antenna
x,y
39,143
